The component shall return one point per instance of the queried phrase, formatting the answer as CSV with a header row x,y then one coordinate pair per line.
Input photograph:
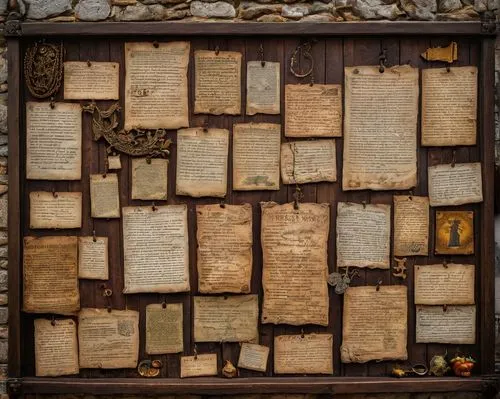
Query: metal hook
x,y
148,160
217,50
89,64
445,308
261,56
297,196
53,321
311,83
52,103
453,158
302,333
445,264
382,58
54,194
379,283
364,204
222,204
93,236
156,44
153,207
195,352
105,169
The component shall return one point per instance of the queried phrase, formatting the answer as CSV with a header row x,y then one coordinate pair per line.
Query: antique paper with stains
x,y
156,87
202,162
224,238
61,210
253,357
363,235
456,184
453,325
108,340
374,324
91,80
454,233
411,225
114,162
202,365
104,196
217,82
226,318
50,275
164,328
56,348
53,141
380,128
313,111
263,87
93,258
295,267
256,156
450,284
449,106
156,249
149,178
308,161
303,354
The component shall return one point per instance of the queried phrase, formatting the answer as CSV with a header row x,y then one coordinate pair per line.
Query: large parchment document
x,y
224,248
156,87
374,324
56,348
202,162
256,156
226,318
380,128
363,235
263,88
164,328
62,210
93,258
449,284
253,357
91,80
156,249
308,161
449,106
295,267
313,111
108,340
202,365
149,178
104,196
53,141
303,354
411,225
455,184
455,325
50,275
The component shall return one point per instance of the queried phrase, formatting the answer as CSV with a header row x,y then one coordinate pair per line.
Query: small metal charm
x,y
149,368
302,56
229,371
341,281
400,268
297,197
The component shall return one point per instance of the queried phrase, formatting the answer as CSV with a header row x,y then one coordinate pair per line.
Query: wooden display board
x,y
337,46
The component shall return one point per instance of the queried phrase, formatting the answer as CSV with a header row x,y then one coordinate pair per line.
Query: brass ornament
x,y
400,269
455,232
229,371
149,368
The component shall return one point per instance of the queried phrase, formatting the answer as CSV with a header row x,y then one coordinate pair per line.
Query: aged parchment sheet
x,y
455,184
367,227
256,156
295,267
104,196
454,233
224,248
455,325
202,162
114,162
53,141
313,111
108,340
380,128
62,210
449,106
202,365
93,258
156,250
164,328
263,88
253,357
217,82
91,80
50,275
156,87
374,324
449,284
303,354
308,161
226,318
411,225
149,178
56,348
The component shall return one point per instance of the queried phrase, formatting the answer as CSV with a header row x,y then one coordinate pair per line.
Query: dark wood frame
x,y
329,385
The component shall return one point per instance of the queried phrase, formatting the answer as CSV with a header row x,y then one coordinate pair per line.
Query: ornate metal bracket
x,y
13,28
14,386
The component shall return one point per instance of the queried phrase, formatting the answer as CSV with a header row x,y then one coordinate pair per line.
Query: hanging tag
x,y
447,54
114,162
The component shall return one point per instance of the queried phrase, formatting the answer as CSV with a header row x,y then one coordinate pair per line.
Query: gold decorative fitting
x,y
43,69
382,59
400,268
229,371
149,368
446,54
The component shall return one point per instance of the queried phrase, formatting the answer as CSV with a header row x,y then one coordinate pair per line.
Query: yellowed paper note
x,y
374,324
202,365
455,325
50,275
53,141
114,162
256,156
104,196
62,210
93,258
253,357
411,225
149,179
164,328
380,128
91,80
295,268
263,87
